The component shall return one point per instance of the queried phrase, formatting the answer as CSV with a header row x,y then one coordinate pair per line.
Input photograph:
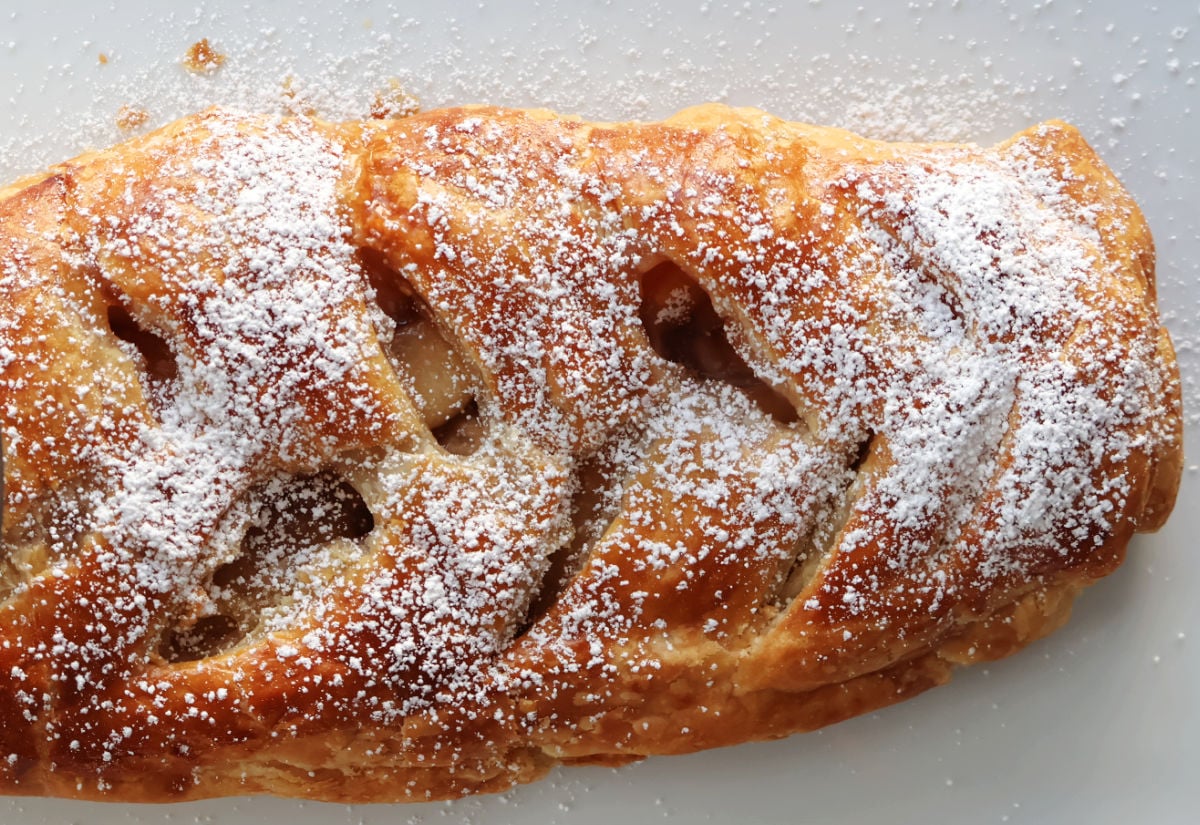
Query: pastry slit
x,y
684,327
159,366
297,521
431,370
814,551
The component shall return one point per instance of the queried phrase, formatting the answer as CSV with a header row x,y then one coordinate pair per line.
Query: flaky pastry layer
x,y
407,459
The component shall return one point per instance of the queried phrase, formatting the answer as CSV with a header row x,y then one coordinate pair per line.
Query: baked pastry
x,y
406,459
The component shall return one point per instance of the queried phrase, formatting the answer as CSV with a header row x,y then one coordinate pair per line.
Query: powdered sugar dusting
x,y
964,410
269,67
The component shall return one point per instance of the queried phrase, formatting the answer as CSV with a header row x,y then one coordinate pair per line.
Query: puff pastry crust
x,y
407,459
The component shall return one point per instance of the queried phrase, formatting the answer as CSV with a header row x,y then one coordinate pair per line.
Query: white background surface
x,y
1100,723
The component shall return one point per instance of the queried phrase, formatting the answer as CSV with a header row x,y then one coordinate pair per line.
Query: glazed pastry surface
x,y
407,459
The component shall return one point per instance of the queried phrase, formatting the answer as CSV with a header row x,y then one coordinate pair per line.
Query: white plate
x,y
1099,723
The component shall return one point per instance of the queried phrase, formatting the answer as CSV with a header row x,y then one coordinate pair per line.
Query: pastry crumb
x,y
394,102
130,118
202,58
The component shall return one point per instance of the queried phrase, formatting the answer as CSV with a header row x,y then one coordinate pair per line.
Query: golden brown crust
x,y
408,459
